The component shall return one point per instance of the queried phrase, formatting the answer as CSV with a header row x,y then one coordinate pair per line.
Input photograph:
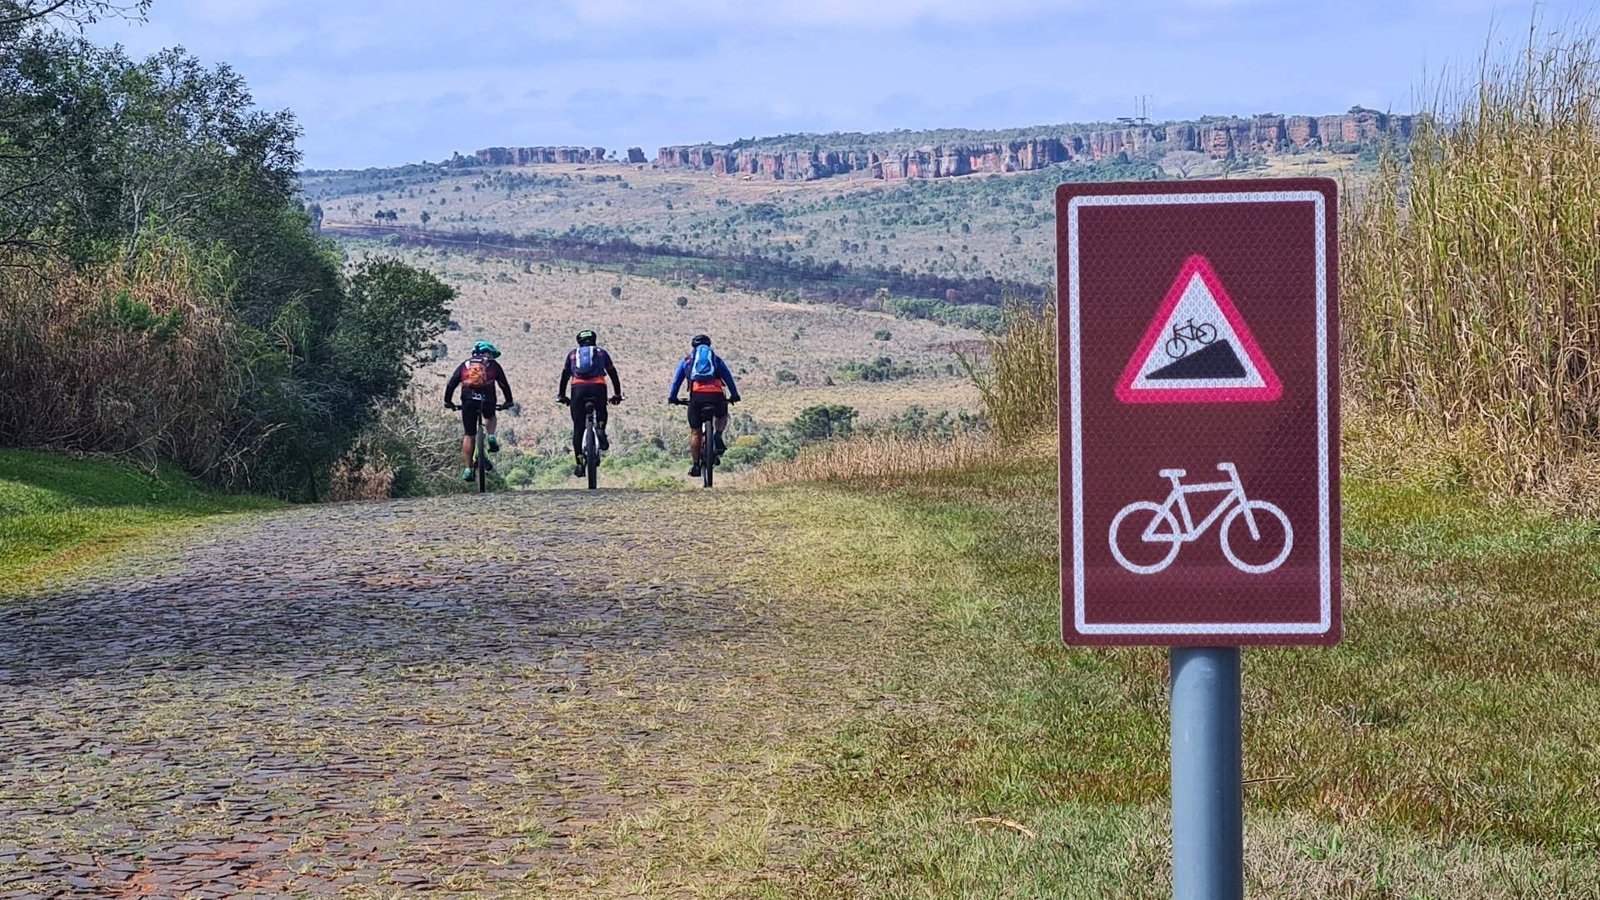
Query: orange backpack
x,y
476,374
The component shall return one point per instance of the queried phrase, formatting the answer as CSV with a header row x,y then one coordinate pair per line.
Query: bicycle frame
x,y
1179,500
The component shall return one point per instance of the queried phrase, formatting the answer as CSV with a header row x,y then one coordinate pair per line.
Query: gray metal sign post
x,y
1207,775
1197,356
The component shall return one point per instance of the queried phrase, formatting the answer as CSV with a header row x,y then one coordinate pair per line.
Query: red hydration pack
x,y
477,373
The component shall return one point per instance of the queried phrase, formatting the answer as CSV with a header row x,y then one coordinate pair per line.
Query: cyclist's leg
x,y
487,405
575,406
721,423
469,428
602,414
696,411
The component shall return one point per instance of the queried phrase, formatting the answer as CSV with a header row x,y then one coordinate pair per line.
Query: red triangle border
x,y
1272,389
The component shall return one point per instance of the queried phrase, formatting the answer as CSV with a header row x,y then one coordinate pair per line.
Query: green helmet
x,y
486,348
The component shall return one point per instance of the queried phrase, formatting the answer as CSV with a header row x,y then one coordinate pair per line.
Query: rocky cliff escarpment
x,y
1217,138
531,156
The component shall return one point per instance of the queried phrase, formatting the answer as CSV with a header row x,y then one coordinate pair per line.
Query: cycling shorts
x,y
706,406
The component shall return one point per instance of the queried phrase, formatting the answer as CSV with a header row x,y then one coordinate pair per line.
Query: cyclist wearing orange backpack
x,y
477,378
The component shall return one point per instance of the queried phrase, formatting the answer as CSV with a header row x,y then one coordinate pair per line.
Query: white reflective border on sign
x,y
1325,539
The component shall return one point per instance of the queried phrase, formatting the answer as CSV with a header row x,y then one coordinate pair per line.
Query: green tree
x,y
143,169
823,422
391,313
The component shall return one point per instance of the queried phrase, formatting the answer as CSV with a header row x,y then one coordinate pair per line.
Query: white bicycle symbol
x,y
1163,526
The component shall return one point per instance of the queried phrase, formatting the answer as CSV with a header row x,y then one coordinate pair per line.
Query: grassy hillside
x,y
58,514
997,226
1445,749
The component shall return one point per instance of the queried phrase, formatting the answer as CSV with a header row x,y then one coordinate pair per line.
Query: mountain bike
x,y
591,441
1164,527
708,446
1177,346
481,467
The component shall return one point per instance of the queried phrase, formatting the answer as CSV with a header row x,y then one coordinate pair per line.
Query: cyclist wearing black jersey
x,y
585,369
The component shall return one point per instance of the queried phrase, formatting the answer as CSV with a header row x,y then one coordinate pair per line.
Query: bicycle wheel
x,y
1159,526
1257,537
708,452
480,457
1177,348
591,454
1205,332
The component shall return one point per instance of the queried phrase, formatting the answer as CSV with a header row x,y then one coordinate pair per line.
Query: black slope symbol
x,y
1215,360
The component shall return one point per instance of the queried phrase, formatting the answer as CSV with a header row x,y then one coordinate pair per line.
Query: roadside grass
x,y
1448,748
60,514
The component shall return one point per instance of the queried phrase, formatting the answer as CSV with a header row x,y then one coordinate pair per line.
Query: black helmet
x,y
586,337
700,339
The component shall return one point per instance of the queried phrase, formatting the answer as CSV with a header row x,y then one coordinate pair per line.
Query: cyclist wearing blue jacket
x,y
711,389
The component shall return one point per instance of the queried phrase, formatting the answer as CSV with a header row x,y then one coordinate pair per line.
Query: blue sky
x,y
380,83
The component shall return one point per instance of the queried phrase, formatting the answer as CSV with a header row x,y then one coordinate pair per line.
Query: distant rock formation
x,y
1217,138
636,155
533,156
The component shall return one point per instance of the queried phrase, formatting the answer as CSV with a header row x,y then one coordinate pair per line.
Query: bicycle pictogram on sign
x,y
1162,527
1177,346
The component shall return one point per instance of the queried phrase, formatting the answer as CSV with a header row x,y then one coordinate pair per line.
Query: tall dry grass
x,y
877,458
1017,377
131,358
1471,271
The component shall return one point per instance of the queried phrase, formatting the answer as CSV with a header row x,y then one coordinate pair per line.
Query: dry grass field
x,y
533,315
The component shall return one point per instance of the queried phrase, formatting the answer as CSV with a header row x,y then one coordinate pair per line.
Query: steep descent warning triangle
x,y
1198,348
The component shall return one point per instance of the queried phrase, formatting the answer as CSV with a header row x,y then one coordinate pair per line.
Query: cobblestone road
x,y
448,696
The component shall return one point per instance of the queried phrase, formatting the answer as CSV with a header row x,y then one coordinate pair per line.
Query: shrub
x,y
822,422
882,334
1018,380
881,369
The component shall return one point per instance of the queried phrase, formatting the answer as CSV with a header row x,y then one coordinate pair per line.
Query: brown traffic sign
x,y
1199,412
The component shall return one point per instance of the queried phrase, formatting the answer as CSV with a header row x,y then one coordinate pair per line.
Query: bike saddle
x,y
1173,473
